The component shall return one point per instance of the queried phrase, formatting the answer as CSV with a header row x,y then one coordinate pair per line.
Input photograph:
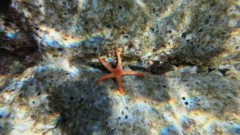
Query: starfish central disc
x,y
117,72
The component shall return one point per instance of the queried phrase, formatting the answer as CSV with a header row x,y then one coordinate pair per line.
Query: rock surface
x,y
187,49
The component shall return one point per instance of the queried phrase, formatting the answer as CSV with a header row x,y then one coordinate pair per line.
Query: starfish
x,y
117,72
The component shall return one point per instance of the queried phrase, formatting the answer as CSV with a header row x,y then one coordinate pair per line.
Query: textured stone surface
x,y
187,49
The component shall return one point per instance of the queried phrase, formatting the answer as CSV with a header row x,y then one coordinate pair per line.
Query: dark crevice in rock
x,y
21,50
5,5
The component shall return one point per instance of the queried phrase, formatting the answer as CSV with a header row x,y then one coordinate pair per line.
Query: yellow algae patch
x,y
235,32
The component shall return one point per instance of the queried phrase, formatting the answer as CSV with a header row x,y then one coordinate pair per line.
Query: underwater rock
x,y
187,49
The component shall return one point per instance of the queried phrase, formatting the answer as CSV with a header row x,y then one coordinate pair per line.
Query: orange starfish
x,y
117,72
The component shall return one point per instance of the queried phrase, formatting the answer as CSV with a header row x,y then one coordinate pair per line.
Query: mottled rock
x,y
187,49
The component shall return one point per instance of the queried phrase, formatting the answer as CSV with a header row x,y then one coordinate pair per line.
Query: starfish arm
x,y
119,64
129,72
119,82
105,64
104,77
